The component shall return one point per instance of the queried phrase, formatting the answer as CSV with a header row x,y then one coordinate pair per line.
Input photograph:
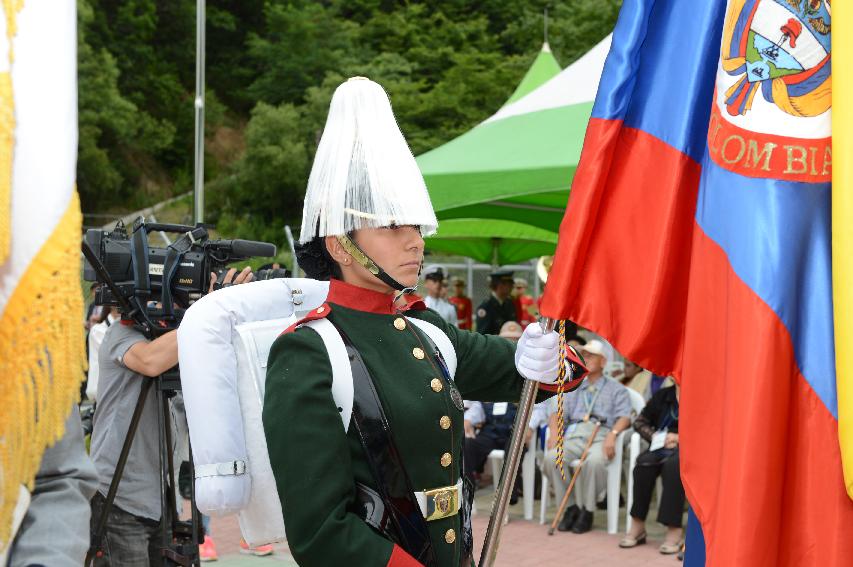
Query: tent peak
x,y
545,47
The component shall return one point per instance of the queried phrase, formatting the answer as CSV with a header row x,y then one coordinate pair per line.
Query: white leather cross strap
x,y
342,388
430,501
445,347
235,468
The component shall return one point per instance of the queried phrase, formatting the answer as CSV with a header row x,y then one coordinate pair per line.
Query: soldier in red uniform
x,y
526,311
463,305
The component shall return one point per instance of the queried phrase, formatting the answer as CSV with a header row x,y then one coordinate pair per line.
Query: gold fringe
x,y
7,147
41,358
7,130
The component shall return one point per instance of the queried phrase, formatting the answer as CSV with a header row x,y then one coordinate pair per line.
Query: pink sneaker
x,y
207,550
259,551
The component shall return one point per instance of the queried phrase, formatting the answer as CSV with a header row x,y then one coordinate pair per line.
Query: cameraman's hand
x,y
244,276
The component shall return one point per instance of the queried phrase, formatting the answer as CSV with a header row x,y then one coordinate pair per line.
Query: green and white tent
x,y
544,68
518,164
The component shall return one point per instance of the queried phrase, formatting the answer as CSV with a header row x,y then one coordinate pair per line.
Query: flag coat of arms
x,y
41,305
698,240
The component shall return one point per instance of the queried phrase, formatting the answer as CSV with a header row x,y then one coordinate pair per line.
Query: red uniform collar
x,y
361,299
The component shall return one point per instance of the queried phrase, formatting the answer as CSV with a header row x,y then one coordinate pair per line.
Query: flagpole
x,y
198,189
511,460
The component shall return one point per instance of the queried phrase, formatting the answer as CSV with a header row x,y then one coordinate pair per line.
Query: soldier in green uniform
x,y
498,308
348,500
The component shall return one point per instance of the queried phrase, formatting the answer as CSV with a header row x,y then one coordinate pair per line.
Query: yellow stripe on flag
x,y
842,225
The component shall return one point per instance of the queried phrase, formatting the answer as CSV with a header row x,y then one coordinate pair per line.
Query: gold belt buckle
x,y
442,502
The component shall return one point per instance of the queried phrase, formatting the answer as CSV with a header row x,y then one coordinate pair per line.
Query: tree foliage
x,y
272,66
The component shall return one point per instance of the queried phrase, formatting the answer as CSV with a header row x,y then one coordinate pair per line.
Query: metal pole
x,y
470,265
198,189
512,458
537,285
510,468
289,234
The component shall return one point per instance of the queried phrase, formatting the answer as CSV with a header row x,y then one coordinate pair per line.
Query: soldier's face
x,y
433,287
399,250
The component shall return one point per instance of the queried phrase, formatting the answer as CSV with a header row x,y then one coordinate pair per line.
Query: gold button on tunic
x,y
450,536
436,385
446,459
444,422
418,353
399,323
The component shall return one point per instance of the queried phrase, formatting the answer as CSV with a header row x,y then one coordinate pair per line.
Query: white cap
x,y
364,174
434,270
594,347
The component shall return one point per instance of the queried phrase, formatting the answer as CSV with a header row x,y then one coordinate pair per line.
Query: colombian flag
x,y
698,239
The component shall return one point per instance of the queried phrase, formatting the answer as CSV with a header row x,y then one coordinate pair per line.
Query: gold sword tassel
x,y
561,382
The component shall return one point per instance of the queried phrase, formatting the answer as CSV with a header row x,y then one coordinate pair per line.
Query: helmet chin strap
x,y
368,264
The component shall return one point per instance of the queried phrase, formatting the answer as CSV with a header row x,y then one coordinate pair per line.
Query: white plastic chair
x,y
528,474
614,469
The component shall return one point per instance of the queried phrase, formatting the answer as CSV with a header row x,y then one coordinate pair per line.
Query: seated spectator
x,y
598,400
488,426
658,424
636,378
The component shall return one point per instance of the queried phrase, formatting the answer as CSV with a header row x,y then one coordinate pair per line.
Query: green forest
x,y
271,69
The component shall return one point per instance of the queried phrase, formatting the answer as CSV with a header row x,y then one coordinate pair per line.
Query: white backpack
x,y
223,348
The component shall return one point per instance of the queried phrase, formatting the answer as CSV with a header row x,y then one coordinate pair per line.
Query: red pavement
x,y
522,544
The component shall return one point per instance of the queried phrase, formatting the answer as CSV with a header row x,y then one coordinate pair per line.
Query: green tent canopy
x,y
544,68
518,164
494,242
506,241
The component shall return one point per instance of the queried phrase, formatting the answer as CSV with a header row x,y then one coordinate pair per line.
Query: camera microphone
x,y
251,248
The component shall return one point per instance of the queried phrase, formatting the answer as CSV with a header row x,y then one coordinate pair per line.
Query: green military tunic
x,y
316,464
492,314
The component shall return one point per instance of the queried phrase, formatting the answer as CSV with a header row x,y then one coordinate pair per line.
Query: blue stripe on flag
x,y
776,236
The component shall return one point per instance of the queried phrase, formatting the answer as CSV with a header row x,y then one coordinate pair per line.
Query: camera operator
x,y
126,358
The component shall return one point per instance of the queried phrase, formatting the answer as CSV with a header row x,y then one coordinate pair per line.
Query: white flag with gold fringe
x,y
41,306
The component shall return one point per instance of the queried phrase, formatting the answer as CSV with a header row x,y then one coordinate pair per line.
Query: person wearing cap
x,y
462,303
598,400
433,280
347,492
498,308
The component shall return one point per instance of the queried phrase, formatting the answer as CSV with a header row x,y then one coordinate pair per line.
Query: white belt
x,y
235,468
440,503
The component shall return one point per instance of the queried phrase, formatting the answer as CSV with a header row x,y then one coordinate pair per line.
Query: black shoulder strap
x,y
407,526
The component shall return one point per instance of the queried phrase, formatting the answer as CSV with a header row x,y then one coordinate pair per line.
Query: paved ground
x,y
523,544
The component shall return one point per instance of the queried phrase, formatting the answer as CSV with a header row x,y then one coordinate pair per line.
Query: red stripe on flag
x,y
624,247
760,458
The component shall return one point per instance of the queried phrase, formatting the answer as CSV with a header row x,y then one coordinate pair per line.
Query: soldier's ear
x,y
336,250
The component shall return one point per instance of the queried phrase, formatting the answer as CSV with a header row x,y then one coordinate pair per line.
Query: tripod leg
x,y
98,536
198,535
169,473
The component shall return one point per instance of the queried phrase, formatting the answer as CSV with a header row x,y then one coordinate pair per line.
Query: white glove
x,y
537,355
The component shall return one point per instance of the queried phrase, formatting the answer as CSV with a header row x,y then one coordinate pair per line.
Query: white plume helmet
x,y
364,174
